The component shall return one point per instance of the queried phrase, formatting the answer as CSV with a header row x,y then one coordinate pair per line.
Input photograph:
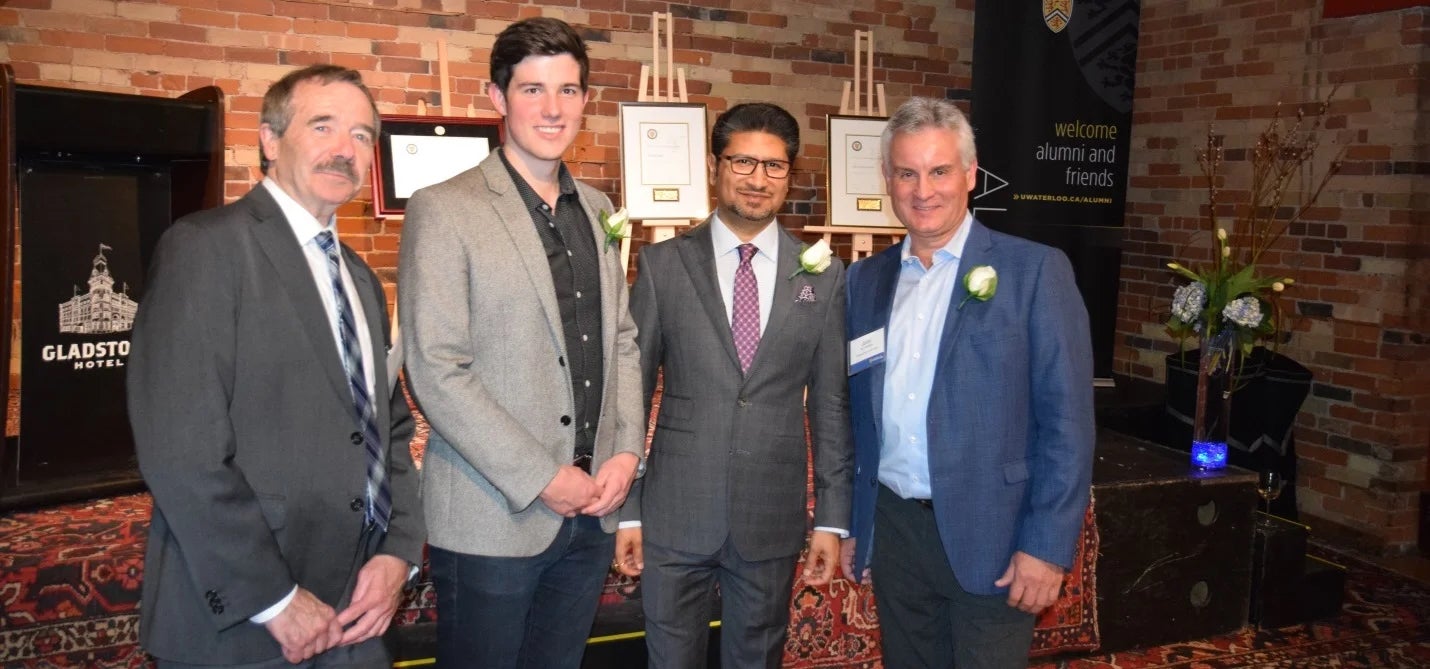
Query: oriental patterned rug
x,y
69,585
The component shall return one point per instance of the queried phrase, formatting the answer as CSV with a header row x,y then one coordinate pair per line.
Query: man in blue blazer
x,y
971,401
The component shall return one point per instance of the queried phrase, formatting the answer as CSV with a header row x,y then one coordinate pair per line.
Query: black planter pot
x,y
1270,390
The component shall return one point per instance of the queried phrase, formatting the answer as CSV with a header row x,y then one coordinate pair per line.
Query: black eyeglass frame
x,y
763,164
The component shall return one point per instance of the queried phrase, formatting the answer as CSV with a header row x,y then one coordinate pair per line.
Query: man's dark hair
x,y
536,36
756,117
278,101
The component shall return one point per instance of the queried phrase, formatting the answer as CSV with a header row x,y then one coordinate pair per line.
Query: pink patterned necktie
x,y
745,317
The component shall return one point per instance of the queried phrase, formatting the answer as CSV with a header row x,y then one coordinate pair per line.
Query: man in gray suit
x,y
522,355
285,500
749,338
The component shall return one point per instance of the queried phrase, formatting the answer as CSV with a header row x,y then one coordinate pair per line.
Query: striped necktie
x,y
379,498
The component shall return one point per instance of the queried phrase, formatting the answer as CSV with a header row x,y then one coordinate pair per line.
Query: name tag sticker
x,y
866,351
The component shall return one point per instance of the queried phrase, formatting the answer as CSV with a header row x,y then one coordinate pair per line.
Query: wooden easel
x,y
873,104
394,362
445,82
661,229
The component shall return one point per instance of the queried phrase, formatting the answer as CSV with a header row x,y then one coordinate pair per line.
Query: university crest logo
x,y
1057,14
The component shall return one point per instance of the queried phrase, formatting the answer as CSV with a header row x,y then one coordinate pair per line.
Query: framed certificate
x,y
418,151
856,179
663,151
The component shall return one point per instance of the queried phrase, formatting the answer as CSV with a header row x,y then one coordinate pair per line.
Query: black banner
x,y
82,229
1052,111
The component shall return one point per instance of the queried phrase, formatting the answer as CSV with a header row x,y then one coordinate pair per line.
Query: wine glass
x,y
1269,486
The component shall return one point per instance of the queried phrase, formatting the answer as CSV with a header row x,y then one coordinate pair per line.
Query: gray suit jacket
x,y
243,423
728,457
486,362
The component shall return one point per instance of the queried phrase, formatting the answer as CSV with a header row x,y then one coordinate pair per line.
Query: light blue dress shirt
x,y
911,345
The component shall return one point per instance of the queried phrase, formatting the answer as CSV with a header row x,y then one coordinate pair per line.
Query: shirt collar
x,y
564,181
305,227
725,241
953,250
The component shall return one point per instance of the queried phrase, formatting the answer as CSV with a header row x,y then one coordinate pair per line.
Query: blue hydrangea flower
x,y
1244,311
1188,301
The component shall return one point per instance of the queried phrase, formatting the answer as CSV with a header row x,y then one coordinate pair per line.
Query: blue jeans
x,y
521,613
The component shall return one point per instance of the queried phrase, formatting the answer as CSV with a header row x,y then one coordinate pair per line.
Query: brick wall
x,y
793,52
1359,315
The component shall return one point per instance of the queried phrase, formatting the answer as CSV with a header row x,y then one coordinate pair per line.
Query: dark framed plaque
x,y
417,151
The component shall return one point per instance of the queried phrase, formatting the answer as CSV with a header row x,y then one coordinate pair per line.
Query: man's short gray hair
x,y
920,114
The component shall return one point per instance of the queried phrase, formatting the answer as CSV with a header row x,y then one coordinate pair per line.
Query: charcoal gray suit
x,y
728,463
246,432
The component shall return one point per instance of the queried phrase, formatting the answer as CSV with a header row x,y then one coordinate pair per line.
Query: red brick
x,y
143,45
179,32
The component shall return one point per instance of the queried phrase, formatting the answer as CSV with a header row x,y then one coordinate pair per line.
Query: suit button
x,y
561,360
565,420
356,504
356,438
742,402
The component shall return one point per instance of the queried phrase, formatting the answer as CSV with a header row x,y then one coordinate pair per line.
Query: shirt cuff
x,y
272,612
843,534
628,524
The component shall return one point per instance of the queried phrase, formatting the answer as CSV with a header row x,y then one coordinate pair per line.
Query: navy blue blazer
x,y
1010,422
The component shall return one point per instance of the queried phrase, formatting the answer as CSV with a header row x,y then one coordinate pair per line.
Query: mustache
x,y
340,166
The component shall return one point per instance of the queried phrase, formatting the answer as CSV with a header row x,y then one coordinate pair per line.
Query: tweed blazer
x,y
486,361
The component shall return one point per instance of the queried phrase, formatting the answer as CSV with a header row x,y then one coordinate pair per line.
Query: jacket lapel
x,y
285,256
516,222
884,269
976,251
697,251
611,275
786,263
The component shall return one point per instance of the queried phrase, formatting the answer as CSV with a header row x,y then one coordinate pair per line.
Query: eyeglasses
x,y
744,165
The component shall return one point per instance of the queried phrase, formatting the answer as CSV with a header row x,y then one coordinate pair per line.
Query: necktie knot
x,y
747,252
325,241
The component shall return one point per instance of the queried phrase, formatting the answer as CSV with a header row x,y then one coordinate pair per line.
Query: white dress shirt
x,y
727,260
306,228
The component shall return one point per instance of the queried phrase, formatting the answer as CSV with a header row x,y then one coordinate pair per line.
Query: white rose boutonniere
x,y
981,282
814,259
615,225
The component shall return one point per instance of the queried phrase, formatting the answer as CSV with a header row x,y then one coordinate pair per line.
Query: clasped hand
x,y
572,491
307,627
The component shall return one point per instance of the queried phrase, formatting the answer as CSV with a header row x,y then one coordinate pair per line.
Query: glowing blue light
x,y
1209,454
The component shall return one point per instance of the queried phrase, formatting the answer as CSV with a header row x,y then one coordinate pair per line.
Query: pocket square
x,y
806,294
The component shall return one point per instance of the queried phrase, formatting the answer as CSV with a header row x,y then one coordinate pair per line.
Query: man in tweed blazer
x,y
724,498
522,355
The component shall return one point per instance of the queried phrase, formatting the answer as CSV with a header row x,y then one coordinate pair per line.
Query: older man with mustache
x,y
286,520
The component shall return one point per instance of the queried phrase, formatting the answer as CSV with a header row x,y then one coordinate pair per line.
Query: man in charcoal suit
x,y
286,519
972,410
747,340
